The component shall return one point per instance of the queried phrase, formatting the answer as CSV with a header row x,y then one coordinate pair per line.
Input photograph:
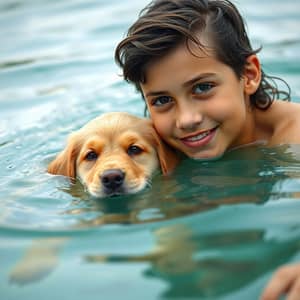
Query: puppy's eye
x,y
92,155
134,150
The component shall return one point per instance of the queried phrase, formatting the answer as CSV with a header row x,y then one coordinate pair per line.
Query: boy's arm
x,y
286,280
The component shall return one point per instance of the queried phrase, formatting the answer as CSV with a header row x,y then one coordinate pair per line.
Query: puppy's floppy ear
x,y
168,158
65,162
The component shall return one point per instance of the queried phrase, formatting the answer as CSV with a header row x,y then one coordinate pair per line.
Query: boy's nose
x,y
188,118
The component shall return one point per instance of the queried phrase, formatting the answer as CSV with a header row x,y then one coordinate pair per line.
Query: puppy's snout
x,y
112,179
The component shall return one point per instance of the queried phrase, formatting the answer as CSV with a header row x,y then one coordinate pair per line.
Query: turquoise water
x,y
214,230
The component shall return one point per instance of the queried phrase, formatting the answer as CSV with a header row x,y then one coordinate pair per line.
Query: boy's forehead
x,y
203,48
203,45
184,52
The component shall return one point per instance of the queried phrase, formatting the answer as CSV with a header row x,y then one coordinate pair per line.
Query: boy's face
x,y
197,104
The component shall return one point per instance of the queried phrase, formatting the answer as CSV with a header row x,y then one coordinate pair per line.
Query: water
x,y
213,230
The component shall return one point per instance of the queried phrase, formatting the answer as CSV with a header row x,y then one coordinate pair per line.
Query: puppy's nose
x,y
112,179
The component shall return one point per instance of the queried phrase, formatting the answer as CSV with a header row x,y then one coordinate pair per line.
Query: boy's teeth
x,y
197,137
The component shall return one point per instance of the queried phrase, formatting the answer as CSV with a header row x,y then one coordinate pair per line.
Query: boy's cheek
x,y
162,126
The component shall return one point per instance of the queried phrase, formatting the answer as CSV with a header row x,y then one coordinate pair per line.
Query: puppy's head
x,y
113,154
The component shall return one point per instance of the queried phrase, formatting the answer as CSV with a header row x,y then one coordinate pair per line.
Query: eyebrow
x,y
197,78
185,84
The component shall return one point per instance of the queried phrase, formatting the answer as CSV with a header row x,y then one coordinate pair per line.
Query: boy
x,y
204,87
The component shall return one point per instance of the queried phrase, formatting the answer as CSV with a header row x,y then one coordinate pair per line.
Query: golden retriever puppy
x,y
115,153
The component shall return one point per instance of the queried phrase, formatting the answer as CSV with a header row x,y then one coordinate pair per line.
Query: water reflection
x,y
196,265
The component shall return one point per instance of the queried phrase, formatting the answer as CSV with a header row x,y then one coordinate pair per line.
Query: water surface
x,y
213,230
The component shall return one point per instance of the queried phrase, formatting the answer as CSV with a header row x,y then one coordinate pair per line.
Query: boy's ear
x,y
252,74
65,162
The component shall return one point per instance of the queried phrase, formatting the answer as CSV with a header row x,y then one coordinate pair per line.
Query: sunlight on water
x,y
212,230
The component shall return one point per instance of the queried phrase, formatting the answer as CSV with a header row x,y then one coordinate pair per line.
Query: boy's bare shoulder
x,y
284,118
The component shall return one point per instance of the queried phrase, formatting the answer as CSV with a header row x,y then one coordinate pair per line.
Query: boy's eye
x,y
91,155
134,150
162,100
202,88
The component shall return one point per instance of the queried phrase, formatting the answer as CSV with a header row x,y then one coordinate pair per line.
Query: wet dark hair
x,y
165,24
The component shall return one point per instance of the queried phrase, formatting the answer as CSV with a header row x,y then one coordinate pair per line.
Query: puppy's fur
x,y
114,154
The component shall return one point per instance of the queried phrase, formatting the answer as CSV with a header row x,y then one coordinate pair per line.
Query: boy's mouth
x,y
199,139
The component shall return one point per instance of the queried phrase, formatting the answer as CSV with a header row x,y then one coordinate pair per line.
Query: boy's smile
x,y
199,139
197,104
